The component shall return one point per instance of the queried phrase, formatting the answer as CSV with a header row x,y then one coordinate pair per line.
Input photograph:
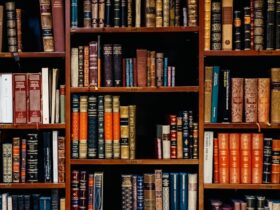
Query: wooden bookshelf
x,y
32,126
32,186
33,55
241,126
242,53
243,186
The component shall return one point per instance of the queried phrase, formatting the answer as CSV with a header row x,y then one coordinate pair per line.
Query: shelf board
x,y
32,186
242,53
135,30
32,126
243,186
241,126
135,89
134,162
34,55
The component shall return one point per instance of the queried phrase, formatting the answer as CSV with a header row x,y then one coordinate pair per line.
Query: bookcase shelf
x,y
33,55
135,30
32,186
135,162
243,186
32,126
242,53
241,126
136,89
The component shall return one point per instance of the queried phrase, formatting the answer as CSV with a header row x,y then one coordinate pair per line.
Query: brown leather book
x,y
58,25
263,99
149,192
216,161
227,17
208,93
275,95
19,31
34,97
275,167
223,140
159,13
93,74
251,99
141,56
234,158
245,158
159,69
150,12
237,91
257,158
20,98
153,69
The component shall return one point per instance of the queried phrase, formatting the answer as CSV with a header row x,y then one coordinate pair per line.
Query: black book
x,y
47,149
92,126
117,8
277,41
216,25
237,30
108,65
117,58
21,202
225,95
36,201
15,201
108,13
27,204
55,199
32,157
270,24
247,28
123,13
267,151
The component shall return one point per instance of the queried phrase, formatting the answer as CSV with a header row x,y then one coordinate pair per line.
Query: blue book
x,y
74,13
101,149
215,94
127,77
92,126
45,203
98,191
130,72
165,72
183,180
36,201
174,191
140,192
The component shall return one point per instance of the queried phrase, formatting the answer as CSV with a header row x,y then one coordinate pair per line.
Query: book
x,y
74,13
208,156
83,127
74,67
58,25
34,93
267,152
47,150
251,98
257,158
223,141
32,157
132,131
1,27
108,65
141,56
19,31
263,99
215,94
10,11
208,93
207,24
158,189
216,160
87,14
20,98
55,156
227,17
275,174
6,95
126,187
234,158
149,191
225,95
245,158
108,126
124,132
98,190
237,91
192,191
116,128
150,13
75,116
275,95
7,162
93,64
174,190
100,115
45,96
61,159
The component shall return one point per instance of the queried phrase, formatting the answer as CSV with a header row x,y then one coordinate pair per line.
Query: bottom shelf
x,y
243,186
32,186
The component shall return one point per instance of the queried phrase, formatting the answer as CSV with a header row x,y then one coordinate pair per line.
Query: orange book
x,y
83,127
223,141
234,158
108,126
245,158
257,158
275,167
216,161
116,127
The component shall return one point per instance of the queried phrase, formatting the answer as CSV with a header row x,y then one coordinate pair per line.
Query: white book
x,y
55,156
208,156
10,203
45,96
192,192
57,102
165,142
74,67
53,97
5,201
6,99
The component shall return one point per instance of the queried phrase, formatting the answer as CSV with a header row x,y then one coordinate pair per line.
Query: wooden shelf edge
x,y
32,126
34,55
136,89
134,162
241,126
32,185
135,29
241,53
243,186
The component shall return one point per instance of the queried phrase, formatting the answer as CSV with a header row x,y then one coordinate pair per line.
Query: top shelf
x,y
241,53
33,54
135,30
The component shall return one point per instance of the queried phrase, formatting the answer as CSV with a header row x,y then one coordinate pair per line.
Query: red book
x,y
173,136
216,160
34,99
223,141
93,70
20,98
234,158
141,56
257,158
58,25
245,158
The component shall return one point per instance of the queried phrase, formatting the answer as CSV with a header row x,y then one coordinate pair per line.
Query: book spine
x,y
159,13
159,69
252,23
140,192
93,74
149,68
32,157
83,190
153,69
129,13
275,95
275,166
216,160
225,94
191,134
179,127
192,12
267,151
183,182
177,12
94,13
87,13
165,191
173,136
277,25
208,93
108,126
98,190
90,191
23,161
192,191
166,141
62,103
132,131
165,13
263,99
34,92
75,189
245,158
251,99
158,142
74,13
215,94
20,98
117,13
108,65
141,56
208,25
36,201
165,72
27,202
11,26
116,127
247,28
171,12
158,189
92,126
208,156
258,25
223,140
75,126
237,90
108,13
174,191
45,96
6,102
47,157
47,25
117,58
83,127
100,115
150,13
74,67
7,163
55,199
149,192
80,66
1,27
127,202
216,25
123,13
58,25
234,158
270,27
101,13
227,17
237,30
14,202
257,158
137,13
61,159
55,156
195,141
186,135
19,31
185,17
124,132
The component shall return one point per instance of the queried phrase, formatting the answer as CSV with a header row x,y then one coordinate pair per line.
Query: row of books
x,y
255,96
32,97
34,158
248,202
87,190
179,138
130,13
148,68
246,158
52,26
253,27
102,128
36,201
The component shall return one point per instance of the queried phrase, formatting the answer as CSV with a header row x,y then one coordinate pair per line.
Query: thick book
x,y
108,13
208,156
159,12
234,158
87,14
159,69
166,142
90,188
75,121
32,145
223,140
215,94
267,151
150,13
93,64
259,20
251,99
124,132
7,149
138,13
263,99
126,188
92,127
117,13
227,17
62,103
165,13
83,127
94,13
10,11
225,95
55,199
108,126
117,60
83,190
257,158
245,158
208,93
19,31
101,13
192,12
277,25
247,28
149,192
270,25
108,65
20,98
237,91
58,25
98,190
192,191
275,95
237,30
